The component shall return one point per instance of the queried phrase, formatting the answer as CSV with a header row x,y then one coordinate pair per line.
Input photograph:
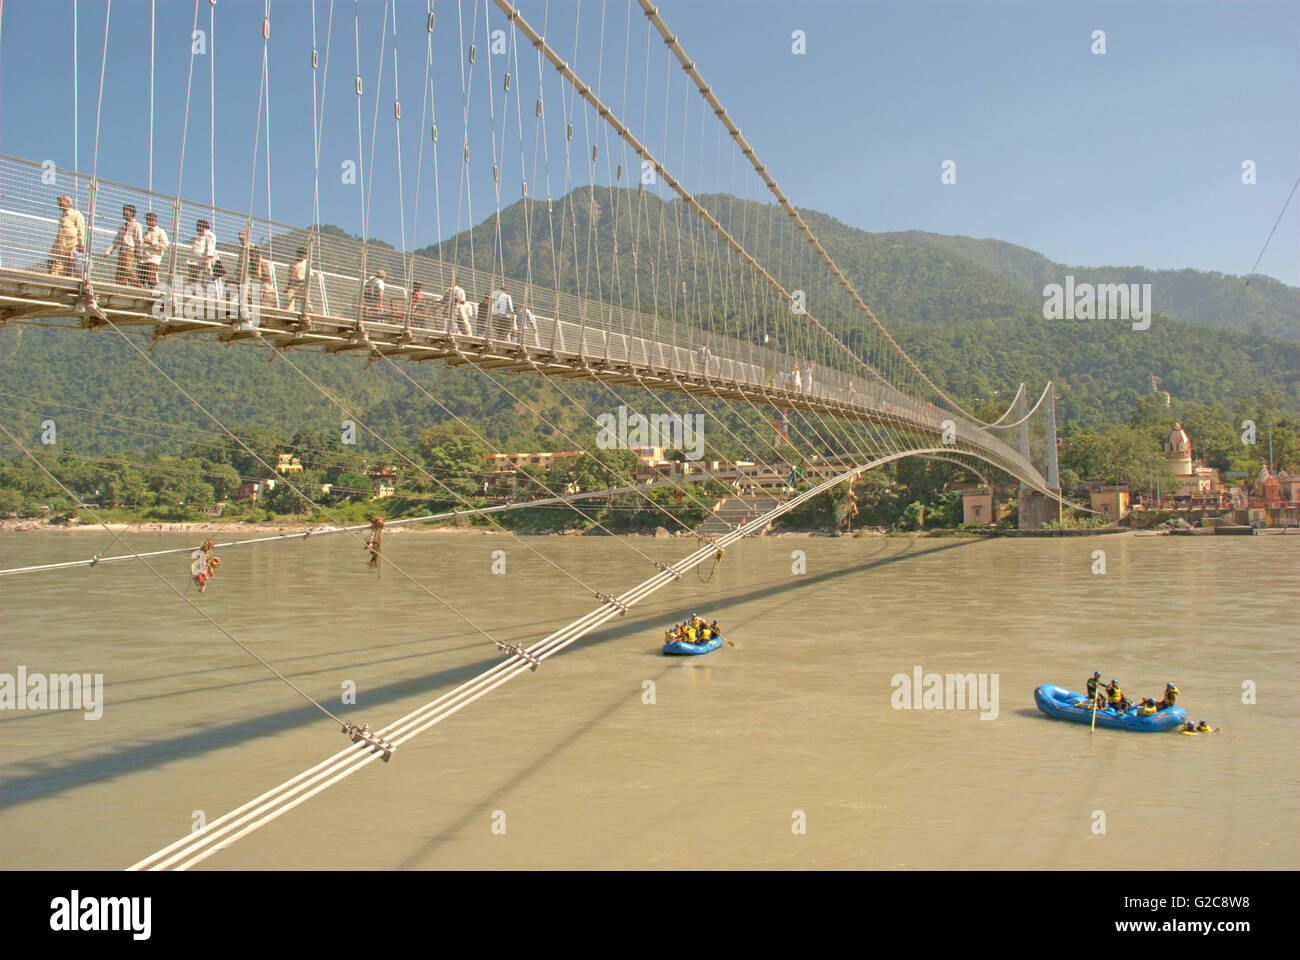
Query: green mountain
x,y
969,311
1193,296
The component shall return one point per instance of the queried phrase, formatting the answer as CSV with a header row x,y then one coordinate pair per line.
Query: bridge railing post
x,y
90,231
175,246
555,328
361,289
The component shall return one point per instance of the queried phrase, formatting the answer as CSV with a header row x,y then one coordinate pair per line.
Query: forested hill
x,y
909,276
1194,296
969,311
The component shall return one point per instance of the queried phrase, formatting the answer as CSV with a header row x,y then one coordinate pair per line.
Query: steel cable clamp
x,y
362,734
667,569
514,650
606,598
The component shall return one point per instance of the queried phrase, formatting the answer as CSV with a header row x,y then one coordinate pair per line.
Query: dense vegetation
x,y
969,311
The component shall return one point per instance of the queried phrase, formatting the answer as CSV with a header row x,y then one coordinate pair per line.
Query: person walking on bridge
x,y
524,324
503,309
155,245
372,292
203,253
297,282
454,301
128,243
419,303
69,241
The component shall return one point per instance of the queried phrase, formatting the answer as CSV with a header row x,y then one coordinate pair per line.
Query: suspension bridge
x,y
607,269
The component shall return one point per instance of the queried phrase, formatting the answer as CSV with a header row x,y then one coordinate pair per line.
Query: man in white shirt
x,y
128,244
155,245
525,324
454,299
297,282
372,294
503,308
203,252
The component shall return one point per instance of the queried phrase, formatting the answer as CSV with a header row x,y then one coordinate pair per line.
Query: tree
x,y
130,490
457,460
1214,441
913,516
605,469
224,478
352,485
180,483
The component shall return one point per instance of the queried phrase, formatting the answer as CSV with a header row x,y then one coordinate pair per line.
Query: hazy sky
x,y
1131,157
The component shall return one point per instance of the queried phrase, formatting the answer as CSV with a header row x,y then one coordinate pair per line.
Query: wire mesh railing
x,y
60,223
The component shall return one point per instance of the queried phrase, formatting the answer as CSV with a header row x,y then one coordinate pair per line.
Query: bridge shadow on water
x,y
47,781
449,834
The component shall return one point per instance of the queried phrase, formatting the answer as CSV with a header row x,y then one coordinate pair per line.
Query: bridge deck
x,y
582,339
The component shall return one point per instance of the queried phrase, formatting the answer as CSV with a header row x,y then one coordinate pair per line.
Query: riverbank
x,y
393,527
286,528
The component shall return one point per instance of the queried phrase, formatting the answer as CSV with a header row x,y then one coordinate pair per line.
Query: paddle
x,y
724,639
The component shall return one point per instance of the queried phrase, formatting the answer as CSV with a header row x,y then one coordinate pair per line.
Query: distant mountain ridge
x,y
1203,298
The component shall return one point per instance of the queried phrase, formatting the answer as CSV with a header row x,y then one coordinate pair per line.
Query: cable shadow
x,y
253,665
450,833
266,678
25,788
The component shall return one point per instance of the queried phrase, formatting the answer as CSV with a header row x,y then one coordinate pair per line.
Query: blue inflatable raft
x,y
1067,705
680,648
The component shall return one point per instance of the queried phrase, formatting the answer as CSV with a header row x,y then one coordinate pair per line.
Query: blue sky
x,y
1133,157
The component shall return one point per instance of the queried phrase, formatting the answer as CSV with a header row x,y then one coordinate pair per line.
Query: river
x,y
787,751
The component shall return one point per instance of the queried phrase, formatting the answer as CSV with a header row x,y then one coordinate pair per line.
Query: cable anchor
x,y
515,650
606,598
362,734
667,569
88,303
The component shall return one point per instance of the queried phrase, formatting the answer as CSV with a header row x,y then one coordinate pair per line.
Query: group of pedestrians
x,y
803,382
137,252
495,317
139,249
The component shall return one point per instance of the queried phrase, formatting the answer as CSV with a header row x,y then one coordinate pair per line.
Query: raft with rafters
x,y
1065,704
684,648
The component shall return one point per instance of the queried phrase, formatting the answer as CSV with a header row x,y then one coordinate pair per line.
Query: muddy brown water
x,y
570,767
